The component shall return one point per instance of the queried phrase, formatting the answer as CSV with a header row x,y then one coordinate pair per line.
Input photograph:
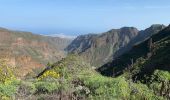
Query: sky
x,y
75,17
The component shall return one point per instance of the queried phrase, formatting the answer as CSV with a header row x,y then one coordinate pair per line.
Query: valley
x,y
121,64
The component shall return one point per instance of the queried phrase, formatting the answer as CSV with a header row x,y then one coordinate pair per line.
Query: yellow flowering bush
x,y
8,82
49,73
6,73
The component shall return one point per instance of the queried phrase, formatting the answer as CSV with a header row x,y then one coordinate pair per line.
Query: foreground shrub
x,y
8,91
26,89
119,88
160,83
6,73
142,92
8,82
46,87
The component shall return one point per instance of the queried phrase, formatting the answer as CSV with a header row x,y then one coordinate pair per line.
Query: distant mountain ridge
x,y
28,51
151,54
142,36
98,49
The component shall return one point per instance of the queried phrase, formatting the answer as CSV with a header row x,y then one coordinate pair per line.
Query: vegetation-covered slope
x,y
154,49
70,79
147,62
77,80
143,73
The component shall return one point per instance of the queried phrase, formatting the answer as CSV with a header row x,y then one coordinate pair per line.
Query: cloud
x,y
61,35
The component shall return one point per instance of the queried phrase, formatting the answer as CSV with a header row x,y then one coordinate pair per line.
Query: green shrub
x,y
9,90
46,87
8,82
105,88
162,75
142,92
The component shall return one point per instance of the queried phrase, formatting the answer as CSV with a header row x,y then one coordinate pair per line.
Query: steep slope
x,y
98,49
142,36
28,51
77,80
147,56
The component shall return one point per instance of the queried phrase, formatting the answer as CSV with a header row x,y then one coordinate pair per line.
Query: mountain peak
x,y
100,48
155,26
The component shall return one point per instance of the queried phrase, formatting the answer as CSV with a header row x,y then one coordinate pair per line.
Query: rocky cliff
x,y
27,51
98,49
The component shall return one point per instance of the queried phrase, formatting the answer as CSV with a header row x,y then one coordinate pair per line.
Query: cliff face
x,y
147,56
99,49
142,36
28,51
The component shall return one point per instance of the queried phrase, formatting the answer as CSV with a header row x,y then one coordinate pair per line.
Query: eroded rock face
x,y
27,51
145,60
98,49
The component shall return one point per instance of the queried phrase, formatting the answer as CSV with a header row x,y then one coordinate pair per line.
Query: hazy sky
x,y
74,17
